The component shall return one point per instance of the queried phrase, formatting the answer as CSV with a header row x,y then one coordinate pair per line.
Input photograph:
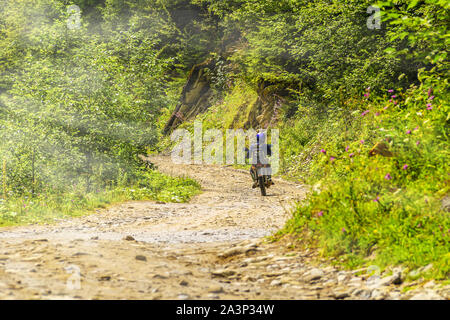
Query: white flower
x,y
316,187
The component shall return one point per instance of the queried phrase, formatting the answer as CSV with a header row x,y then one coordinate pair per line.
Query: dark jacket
x,y
265,150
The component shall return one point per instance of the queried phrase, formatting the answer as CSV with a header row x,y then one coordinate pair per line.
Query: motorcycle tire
x,y
262,186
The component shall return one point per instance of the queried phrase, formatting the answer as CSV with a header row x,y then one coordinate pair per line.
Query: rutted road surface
x,y
209,248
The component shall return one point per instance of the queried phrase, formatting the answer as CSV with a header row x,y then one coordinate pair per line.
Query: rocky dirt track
x,y
210,248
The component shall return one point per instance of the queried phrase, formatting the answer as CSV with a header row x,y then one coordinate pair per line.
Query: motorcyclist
x,y
262,150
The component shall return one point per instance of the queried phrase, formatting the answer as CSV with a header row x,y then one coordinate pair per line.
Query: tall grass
x,y
48,207
382,201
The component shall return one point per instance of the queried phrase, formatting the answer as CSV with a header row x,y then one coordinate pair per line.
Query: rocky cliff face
x,y
265,112
196,97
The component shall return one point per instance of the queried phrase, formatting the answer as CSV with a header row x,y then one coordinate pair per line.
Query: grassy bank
x,y
48,207
379,170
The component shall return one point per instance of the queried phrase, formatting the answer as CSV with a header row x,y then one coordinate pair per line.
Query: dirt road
x,y
209,248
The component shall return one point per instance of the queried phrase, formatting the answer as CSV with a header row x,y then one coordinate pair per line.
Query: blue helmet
x,y
261,137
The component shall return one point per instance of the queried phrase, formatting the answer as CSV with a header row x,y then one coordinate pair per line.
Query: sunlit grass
x,y
46,208
383,206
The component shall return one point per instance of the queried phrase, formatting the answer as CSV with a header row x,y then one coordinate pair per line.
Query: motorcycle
x,y
260,176
260,172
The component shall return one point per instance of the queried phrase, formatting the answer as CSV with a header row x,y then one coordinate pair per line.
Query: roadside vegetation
x,y
80,97
48,206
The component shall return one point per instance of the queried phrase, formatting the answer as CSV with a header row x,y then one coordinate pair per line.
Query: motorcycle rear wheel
x,y
262,186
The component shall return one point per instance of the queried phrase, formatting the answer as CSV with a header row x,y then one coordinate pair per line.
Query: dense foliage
x,y
79,100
